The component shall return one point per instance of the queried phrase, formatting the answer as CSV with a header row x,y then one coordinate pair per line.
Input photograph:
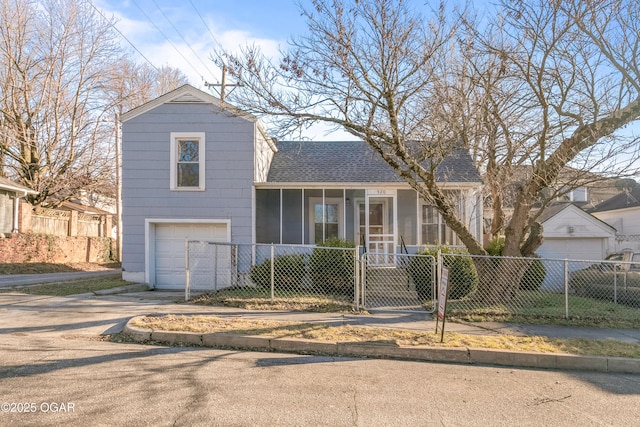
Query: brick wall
x,y
19,248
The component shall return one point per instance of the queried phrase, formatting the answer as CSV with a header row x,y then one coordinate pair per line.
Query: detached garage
x,y
166,257
571,233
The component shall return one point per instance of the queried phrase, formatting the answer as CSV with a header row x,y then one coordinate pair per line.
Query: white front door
x,y
376,227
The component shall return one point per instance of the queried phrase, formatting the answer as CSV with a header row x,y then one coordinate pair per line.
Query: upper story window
x,y
187,161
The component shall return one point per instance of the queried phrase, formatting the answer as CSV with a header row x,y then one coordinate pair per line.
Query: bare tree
x,y
55,56
576,66
132,84
551,87
63,76
371,68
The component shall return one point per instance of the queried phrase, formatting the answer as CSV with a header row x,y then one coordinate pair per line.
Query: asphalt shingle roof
x,y
623,200
353,161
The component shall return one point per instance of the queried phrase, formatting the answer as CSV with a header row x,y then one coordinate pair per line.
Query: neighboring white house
x,y
623,213
571,233
10,195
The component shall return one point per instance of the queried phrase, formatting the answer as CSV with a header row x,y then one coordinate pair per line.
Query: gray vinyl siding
x,y
229,173
407,221
268,216
292,216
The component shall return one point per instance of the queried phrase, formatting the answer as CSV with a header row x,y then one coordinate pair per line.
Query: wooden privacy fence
x,y
56,222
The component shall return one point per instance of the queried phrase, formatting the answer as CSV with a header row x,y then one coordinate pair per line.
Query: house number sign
x,y
380,192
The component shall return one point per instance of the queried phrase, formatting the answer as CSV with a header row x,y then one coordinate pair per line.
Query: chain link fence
x,y
537,287
530,287
402,282
272,271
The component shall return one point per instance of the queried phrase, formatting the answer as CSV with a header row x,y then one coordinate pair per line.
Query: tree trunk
x,y
498,278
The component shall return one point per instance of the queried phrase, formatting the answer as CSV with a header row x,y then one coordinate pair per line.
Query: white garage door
x,y
560,249
169,249
588,248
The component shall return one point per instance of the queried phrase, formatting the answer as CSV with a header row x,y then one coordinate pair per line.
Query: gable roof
x,y
624,200
6,184
553,210
354,162
187,94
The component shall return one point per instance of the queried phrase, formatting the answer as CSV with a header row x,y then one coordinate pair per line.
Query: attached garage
x,y
166,247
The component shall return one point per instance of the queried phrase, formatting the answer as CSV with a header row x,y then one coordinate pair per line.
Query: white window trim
x,y
175,137
327,200
441,238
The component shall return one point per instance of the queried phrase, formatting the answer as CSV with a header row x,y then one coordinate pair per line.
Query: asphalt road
x,y
53,364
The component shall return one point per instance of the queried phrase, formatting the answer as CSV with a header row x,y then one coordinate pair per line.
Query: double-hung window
x,y
434,230
325,219
187,161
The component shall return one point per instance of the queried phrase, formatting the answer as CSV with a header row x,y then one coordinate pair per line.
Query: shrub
x,y
332,268
463,278
288,271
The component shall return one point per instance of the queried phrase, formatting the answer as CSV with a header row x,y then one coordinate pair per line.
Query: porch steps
x,y
390,284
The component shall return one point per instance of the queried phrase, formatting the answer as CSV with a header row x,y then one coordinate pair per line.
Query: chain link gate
x,y
403,283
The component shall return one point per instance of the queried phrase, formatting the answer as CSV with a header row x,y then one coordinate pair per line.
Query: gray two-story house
x,y
196,168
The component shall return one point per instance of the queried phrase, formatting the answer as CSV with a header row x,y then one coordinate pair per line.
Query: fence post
x,y
236,275
356,277
615,283
73,223
187,274
434,289
215,267
272,272
566,288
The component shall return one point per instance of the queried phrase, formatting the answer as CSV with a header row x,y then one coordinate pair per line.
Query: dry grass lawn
x,y
348,333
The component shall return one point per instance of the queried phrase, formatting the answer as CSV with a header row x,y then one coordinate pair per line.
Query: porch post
x,y
281,193
344,214
324,216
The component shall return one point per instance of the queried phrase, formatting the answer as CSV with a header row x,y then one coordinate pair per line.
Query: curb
x,y
470,356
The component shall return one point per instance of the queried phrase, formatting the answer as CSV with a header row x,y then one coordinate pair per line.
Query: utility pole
x,y
223,85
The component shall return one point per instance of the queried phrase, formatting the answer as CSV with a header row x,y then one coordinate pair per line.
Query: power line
x,y
205,25
223,85
167,38
124,37
181,36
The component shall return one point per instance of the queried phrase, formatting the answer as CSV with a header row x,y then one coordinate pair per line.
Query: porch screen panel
x,y
292,216
267,216
407,221
308,194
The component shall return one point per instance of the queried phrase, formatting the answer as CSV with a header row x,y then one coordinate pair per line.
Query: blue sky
x,y
172,32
